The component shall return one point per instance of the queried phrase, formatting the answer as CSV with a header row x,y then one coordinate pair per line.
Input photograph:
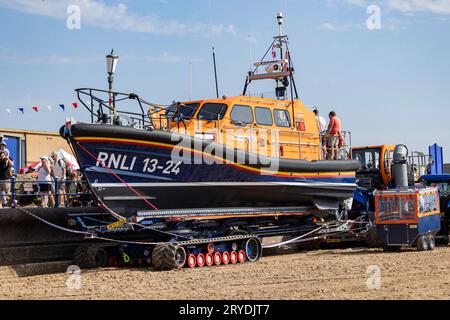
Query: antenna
x,y
212,48
280,23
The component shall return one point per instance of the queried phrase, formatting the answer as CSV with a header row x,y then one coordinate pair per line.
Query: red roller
x,y
217,258
209,259
241,256
192,261
233,257
210,248
200,260
226,257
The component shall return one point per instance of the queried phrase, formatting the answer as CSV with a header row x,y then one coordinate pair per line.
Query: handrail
x,y
56,184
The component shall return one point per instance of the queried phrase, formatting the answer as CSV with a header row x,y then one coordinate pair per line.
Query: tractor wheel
x,y
422,243
168,256
431,242
372,239
90,257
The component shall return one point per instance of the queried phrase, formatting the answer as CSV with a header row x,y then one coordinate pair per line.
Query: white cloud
x,y
411,6
338,26
406,6
99,14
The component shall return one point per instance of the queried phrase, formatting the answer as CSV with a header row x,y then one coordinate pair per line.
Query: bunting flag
x,y
274,52
36,108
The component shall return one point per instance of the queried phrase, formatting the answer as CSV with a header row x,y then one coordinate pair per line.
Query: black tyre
x,y
431,242
90,257
422,243
253,249
168,256
372,240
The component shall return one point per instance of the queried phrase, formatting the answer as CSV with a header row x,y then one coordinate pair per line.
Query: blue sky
x,y
389,86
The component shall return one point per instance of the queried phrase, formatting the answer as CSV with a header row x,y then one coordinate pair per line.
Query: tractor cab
x,y
375,170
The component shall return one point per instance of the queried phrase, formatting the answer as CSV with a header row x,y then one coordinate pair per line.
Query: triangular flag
x,y
49,108
62,107
35,108
21,109
8,110
75,105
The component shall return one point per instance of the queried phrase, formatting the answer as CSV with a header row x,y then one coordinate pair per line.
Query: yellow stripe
x,y
344,174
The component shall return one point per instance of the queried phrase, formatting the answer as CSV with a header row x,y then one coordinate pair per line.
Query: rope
x,y
306,234
117,176
92,235
291,240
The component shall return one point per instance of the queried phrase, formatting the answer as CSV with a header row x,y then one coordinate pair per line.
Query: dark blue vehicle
x,y
441,181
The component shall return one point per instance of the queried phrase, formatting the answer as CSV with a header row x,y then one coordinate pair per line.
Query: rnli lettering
x,y
116,161
124,162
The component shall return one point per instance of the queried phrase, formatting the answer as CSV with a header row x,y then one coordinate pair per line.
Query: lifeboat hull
x,y
131,170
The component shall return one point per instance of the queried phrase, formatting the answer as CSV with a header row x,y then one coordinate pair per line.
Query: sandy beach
x,y
322,274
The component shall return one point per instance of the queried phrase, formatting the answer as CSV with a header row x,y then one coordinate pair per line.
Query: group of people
x,y
55,176
330,136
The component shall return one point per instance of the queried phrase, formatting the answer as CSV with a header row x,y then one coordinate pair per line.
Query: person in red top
x,y
334,134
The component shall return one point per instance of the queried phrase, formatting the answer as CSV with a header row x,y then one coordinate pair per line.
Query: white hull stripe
x,y
223,184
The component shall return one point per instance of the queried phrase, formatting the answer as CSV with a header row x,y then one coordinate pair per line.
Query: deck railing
x,y
26,192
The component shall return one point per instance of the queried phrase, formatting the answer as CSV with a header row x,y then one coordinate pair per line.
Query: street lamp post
x,y
111,64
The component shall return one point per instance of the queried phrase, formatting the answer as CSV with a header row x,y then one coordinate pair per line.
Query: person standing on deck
x,y
333,133
322,125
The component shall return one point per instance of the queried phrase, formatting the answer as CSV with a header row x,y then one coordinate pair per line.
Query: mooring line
x,y
118,177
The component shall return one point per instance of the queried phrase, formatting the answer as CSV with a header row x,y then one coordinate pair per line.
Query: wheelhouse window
x,y
368,158
263,116
281,118
241,115
185,110
212,111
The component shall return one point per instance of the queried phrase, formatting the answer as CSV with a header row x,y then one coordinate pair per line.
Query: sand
x,y
322,274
